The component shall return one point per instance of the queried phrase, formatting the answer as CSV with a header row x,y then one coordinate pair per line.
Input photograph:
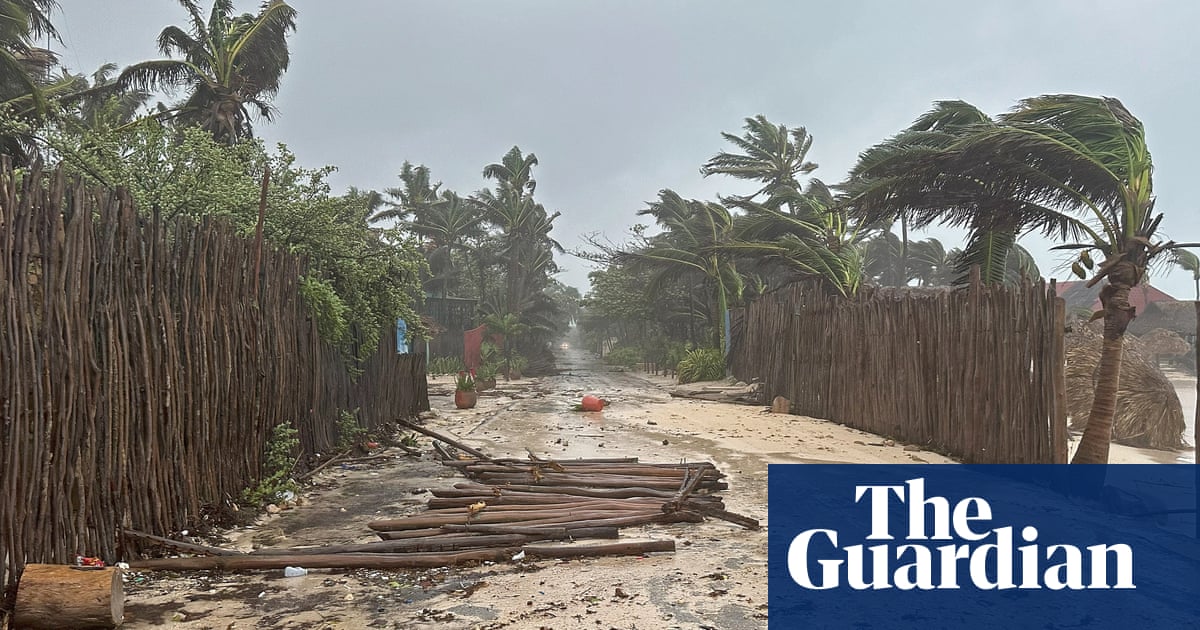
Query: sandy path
x,y
716,579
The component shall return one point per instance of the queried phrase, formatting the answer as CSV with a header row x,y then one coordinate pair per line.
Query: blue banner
x,y
954,546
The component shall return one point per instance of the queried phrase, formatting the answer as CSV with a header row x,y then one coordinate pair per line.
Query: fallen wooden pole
x,y
324,464
437,436
485,517
179,545
397,560
605,493
715,512
592,551
425,544
620,521
561,462
323,561
442,503
567,532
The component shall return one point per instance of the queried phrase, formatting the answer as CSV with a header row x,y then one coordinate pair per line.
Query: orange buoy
x,y
592,403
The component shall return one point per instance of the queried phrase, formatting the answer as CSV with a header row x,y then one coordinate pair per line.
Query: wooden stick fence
x,y
141,375
976,373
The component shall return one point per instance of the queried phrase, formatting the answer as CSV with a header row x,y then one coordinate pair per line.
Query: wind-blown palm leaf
x,y
770,154
1061,164
230,66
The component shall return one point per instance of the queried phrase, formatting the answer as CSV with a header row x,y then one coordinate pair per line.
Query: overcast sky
x,y
620,99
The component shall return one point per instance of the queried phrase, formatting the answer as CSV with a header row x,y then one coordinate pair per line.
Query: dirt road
x,y
716,579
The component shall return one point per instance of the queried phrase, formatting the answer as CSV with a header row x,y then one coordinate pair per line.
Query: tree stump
x,y
59,596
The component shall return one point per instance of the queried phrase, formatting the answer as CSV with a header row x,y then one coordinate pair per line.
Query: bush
x,y
445,365
277,467
702,364
624,356
348,431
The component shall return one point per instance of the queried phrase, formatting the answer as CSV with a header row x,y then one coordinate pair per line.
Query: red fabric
x,y
472,340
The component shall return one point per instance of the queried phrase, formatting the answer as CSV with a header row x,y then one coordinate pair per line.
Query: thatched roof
x,y
1162,342
1148,409
1177,317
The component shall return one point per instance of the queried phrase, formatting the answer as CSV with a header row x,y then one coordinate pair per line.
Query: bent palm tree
x,y
1066,165
691,246
229,64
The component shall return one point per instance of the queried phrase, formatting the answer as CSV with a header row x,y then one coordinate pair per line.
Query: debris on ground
x,y
511,510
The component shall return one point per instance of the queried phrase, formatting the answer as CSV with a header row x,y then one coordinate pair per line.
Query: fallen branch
x,y
323,465
178,545
725,515
437,436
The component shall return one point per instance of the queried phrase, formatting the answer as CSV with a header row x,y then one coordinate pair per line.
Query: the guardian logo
x,y
974,554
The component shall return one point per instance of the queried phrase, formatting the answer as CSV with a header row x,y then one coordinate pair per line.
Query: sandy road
x,y
717,578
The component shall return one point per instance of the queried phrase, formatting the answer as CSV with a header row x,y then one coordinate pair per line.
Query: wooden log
x,y
562,462
324,561
644,470
592,481
567,532
607,493
639,505
398,560
419,522
444,503
61,596
622,521
592,551
715,512
426,544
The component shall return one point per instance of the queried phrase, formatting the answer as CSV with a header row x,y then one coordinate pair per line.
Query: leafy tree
x,y
360,278
228,65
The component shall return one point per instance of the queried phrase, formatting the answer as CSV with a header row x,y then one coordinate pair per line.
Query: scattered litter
x,y
294,571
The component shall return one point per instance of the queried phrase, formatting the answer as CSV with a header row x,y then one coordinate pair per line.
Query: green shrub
x,y
445,365
278,462
702,364
348,431
625,356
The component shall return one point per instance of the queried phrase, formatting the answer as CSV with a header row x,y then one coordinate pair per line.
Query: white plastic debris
x,y
294,571
122,565
520,556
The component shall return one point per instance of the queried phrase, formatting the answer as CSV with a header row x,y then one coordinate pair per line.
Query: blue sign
x,y
401,337
954,546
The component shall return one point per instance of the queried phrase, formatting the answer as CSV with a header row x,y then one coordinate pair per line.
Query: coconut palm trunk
x,y
1094,445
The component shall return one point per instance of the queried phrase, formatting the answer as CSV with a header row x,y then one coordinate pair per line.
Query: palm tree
x,y
691,249
879,180
416,194
25,85
514,171
1067,165
771,154
524,225
229,65
447,226
814,240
